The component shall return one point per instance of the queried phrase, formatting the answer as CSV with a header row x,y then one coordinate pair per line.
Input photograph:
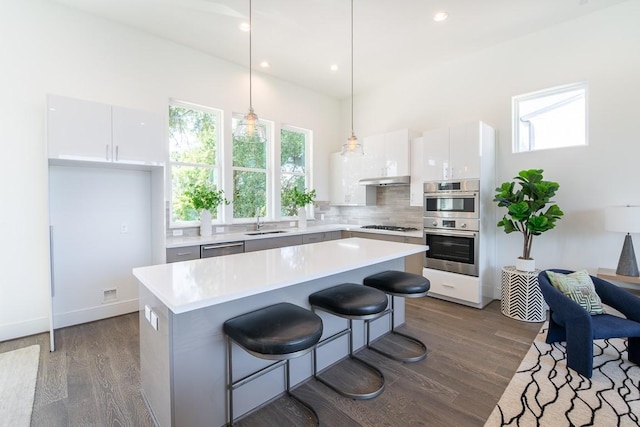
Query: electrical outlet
x,y
124,228
292,223
321,217
109,295
176,233
147,313
219,229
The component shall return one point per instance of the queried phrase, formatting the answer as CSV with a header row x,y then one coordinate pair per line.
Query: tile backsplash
x,y
392,208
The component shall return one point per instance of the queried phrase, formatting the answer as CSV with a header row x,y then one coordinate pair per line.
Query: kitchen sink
x,y
259,233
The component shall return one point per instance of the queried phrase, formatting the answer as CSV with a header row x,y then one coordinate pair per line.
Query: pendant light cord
x,y
351,67
250,78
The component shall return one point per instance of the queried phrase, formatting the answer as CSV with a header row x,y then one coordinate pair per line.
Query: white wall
x,y
47,48
601,49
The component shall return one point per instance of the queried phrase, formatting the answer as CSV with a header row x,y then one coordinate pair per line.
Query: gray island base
x,y
183,361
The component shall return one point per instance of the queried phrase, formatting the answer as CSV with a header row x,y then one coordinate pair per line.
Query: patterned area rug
x,y
18,371
544,392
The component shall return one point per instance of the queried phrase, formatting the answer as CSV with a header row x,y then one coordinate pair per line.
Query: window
x,y
294,165
550,118
194,138
250,175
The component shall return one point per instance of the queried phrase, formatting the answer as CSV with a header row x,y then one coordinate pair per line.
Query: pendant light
x,y
352,147
249,129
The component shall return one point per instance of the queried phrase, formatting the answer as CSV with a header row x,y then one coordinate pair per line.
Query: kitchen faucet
x,y
259,224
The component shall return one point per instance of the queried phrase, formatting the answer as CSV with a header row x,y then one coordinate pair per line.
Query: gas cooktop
x,y
389,227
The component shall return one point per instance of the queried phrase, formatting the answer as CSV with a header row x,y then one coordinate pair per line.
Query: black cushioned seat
x,y
352,302
350,299
277,330
399,283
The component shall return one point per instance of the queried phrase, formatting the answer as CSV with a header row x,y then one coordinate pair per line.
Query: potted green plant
x,y
526,210
300,199
205,199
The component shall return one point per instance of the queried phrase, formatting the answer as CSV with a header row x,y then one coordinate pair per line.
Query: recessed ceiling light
x,y
244,26
334,67
440,16
264,64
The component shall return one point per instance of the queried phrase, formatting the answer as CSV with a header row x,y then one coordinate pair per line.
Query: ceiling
x,y
301,39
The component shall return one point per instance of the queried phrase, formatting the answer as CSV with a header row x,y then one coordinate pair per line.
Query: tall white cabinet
x,y
106,206
465,151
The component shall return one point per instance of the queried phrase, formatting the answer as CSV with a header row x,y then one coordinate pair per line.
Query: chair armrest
x,y
623,301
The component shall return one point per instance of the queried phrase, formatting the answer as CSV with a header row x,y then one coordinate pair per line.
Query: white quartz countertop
x,y
177,242
191,285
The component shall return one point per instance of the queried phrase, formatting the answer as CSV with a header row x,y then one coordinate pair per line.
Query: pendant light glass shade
x,y
352,147
249,129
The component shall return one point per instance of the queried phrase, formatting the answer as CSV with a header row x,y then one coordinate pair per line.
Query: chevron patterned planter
x,y
521,298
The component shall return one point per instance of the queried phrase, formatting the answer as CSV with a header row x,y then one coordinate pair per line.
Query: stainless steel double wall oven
x,y
451,226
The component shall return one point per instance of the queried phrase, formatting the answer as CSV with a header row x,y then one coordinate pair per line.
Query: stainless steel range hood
x,y
387,180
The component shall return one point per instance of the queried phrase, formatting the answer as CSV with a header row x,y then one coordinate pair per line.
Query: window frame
x,y
308,144
268,170
516,117
216,167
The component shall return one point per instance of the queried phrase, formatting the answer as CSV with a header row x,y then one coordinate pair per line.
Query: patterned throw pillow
x,y
579,287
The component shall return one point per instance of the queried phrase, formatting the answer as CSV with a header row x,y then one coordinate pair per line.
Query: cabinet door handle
x,y
106,151
184,253
448,286
117,146
227,245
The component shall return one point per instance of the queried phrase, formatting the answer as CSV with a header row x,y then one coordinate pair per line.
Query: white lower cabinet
x,y
454,286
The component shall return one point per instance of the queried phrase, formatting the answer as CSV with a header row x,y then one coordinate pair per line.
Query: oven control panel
x,y
452,223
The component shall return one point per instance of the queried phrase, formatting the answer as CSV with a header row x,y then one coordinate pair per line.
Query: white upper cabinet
x,y
387,154
417,172
138,136
90,131
345,190
457,152
78,130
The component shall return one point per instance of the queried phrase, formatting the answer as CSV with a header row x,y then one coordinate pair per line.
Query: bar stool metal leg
x,y
352,356
422,354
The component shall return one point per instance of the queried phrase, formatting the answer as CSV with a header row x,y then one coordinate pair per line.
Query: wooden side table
x,y
521,296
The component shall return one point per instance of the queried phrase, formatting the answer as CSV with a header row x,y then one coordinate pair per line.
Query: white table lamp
x,y
624,219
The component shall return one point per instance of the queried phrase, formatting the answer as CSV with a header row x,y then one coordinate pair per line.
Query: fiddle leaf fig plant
x,y
202,196
526,206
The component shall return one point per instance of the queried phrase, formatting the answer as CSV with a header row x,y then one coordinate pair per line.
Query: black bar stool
x,y
400,284
278,332
352,302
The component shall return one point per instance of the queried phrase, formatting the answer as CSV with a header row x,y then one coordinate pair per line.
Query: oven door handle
x,y
450,232
450,195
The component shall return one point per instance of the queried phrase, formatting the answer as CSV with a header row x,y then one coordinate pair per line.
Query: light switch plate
x,y
147,313
154,321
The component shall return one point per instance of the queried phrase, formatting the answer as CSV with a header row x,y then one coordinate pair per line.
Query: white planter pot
x,y
302,217
205,223
525,264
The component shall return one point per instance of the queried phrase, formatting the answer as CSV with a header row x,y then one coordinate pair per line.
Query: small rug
x,y
18,371
544,392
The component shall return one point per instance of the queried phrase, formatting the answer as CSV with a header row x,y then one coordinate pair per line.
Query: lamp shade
x,y
624,219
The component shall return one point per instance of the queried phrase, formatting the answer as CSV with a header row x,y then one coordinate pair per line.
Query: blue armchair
x,y
569,322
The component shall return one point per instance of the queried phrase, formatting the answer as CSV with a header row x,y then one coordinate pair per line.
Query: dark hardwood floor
x,y
93,377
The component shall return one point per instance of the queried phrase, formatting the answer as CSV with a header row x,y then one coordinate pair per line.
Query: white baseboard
x,y
70,318
11,331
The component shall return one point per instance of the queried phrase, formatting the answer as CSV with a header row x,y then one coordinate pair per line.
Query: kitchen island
x,y
183,306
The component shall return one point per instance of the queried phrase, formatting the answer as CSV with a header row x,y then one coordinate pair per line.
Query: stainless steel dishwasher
x,y
220,249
